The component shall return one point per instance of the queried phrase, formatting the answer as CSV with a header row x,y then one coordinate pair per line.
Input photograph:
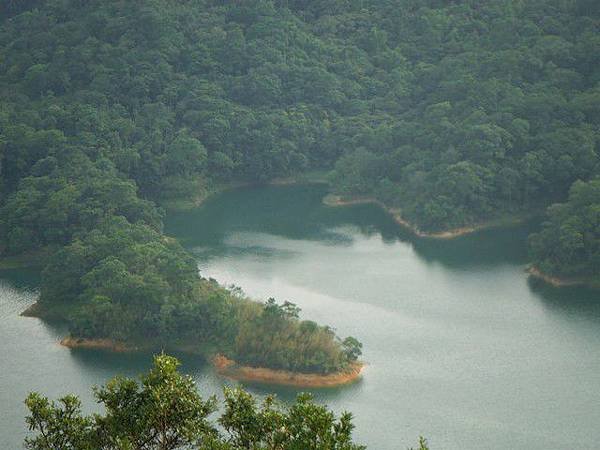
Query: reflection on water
x,y
283,211
132,364
489,247
24,278
569,301
461,346
300,215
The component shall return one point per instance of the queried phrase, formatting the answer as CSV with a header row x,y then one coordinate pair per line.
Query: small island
x,y
230,369
125,287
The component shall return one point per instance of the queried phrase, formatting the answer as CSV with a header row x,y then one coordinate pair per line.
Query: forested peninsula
x,y
451,113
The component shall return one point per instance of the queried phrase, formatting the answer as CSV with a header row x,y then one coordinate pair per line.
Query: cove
x,y
460,345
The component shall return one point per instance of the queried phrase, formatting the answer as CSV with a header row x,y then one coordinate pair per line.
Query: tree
x,y
568,244
422,444
58,426
352,348
164,411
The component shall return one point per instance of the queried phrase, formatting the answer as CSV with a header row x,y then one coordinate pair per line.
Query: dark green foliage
x,y
60,426
273,336
303,425
109,107
57,202
569,243
487,107
165,411
352,348
128,283
113,248
454,112
120,276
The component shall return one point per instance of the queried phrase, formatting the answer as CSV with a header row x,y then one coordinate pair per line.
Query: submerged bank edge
x,y
230,369
333,200
557,281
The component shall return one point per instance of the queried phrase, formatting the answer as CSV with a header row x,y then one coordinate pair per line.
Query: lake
x,y
460,345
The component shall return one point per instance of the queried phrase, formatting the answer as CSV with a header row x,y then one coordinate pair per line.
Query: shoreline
x,y
335,201
555,281
32,310
97,344
186,204
230,369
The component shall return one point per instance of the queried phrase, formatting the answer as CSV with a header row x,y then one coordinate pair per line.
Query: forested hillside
x,y
455,112
110,108
495,109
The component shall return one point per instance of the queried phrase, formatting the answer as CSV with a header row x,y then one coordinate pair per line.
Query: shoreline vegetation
x,y
333,200
230,369
35,259
97,344
225,367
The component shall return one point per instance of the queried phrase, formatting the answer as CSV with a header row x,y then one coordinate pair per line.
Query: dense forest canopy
x,y
569,242
454,112
110,109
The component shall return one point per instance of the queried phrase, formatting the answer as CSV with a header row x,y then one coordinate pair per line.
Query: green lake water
x,y
460,346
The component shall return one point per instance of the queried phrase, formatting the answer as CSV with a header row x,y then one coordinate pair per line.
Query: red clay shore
x,y
230,369
557,281
99,344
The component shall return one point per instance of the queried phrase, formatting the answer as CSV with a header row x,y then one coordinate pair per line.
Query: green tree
x,y
568,244
164,411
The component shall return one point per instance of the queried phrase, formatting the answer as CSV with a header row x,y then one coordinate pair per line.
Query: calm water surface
x,y
460,346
